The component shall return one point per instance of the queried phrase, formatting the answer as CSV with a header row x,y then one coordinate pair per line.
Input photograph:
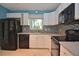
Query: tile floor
x,y
26,52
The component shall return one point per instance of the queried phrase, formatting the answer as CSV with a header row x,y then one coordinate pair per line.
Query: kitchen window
x,y
36,24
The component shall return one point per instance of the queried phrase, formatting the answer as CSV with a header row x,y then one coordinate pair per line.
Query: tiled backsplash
x,y
63,28
53,29
49,28
25,28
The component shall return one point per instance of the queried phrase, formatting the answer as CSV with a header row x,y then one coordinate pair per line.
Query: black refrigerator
x,y
1,31
11,26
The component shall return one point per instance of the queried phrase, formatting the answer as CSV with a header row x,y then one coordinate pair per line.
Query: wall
x,y
3,12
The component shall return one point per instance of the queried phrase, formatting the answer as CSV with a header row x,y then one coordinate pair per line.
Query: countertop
x,y
44,33
36,33
73,47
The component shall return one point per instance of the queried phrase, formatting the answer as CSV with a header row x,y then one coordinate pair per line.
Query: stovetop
x,y
59,38
62,38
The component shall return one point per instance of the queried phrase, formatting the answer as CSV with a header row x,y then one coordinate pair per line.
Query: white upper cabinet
x,y
50,18
53,18
62,6
46,18
65,5
76,11
25,18
13,15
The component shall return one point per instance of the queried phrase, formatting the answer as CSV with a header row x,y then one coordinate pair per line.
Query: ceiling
x,y
31,6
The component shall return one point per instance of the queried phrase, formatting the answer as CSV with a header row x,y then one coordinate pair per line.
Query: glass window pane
x,y
36,24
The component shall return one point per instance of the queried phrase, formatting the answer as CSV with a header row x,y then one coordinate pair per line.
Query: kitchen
x,y
39,29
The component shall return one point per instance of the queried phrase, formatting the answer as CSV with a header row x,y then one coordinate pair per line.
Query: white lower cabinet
x,y
32,41
64,51
39,41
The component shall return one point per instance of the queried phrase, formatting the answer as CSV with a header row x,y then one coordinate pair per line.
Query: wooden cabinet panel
x,y
64,52
39,41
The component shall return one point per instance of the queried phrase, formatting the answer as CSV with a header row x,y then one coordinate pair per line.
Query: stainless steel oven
x,y
72,35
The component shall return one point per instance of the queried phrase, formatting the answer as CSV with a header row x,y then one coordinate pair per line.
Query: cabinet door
x,y
32,41
64,52
76,11
52,18
43,41
25,19
46,18
39,41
